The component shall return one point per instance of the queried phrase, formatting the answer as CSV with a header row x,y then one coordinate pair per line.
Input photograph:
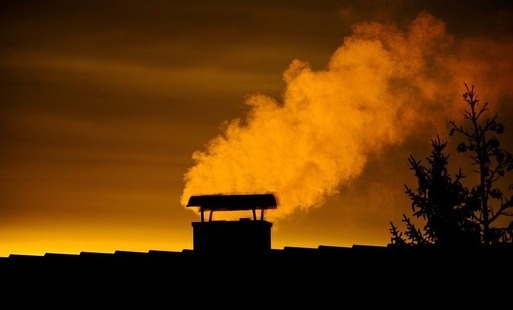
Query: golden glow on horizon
x,y
104,239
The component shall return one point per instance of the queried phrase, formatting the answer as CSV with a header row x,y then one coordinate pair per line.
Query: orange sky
x,y
113,113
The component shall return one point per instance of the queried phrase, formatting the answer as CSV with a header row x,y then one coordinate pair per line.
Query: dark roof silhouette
x,y
234,263
293,276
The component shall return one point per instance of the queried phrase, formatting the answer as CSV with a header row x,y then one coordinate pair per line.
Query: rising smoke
x,y
380,88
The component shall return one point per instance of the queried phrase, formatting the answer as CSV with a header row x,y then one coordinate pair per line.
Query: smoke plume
x,y
383,85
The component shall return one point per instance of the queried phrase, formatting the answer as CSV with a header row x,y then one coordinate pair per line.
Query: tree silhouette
x,y
455,215
439,200
483,148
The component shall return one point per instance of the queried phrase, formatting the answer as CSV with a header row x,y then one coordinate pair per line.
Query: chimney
x,y
246,236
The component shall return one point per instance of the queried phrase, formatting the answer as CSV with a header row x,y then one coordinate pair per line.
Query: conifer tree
x,y
456,215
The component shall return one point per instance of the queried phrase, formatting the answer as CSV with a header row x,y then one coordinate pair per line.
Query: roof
x,y
233,202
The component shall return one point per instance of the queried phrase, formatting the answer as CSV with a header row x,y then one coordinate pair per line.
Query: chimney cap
x,y
233,202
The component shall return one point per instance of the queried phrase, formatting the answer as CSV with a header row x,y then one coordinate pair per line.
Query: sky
x,y
113,113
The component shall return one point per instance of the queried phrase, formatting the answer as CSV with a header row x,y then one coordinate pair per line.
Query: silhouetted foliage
x,y
439,200
397,236
489,203
455,215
